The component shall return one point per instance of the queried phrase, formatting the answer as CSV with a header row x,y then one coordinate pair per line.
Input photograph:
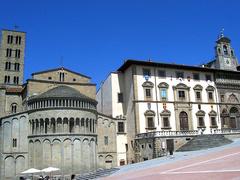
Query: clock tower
x,y
225,56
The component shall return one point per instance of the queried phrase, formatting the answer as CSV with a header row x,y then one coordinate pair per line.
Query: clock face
x,y
227,61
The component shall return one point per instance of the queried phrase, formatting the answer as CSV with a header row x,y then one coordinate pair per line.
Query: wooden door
x,y
183,118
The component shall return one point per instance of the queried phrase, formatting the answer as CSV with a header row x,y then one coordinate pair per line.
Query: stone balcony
x,y
172,134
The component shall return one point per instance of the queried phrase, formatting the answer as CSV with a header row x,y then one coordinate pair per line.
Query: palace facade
x,y
167,104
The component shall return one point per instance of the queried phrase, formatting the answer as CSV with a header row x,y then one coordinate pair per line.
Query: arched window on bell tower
x,y
225,50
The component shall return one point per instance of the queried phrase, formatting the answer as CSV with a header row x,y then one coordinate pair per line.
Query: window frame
x,y
198,76
120,97
106,140
148,93
203,122
200,95
179,74
180,93
210,93
151,120
213,119
150,114
146,72
122,128
163,75
208,77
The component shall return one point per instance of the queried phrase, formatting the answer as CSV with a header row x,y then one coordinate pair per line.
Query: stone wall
x,y
107,147
14,145
38,87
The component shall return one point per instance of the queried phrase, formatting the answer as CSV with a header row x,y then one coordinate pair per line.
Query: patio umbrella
x,y
50,170
31,171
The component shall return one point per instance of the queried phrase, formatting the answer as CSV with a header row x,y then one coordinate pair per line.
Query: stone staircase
x,y
97,174
205,142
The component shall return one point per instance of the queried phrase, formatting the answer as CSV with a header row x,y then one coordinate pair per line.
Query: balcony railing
x,y
167,133
226,131
184,133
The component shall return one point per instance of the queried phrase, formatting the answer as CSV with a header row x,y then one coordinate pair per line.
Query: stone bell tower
x,y
12,50
225,56
12,58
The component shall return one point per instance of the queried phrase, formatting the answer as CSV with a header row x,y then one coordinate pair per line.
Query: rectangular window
x,y
14,108
161,73
106,140
201,122
16,66
82,122
198,95
146,72
148,93
61,77
179,75
126,147
196,76
10,39
120,97
17,53
199,106
150,122
121,127
213,121
7,79
166,122
208,77
181,95
14,142
8,66
222,98
163,94
8,52
210,95
18,40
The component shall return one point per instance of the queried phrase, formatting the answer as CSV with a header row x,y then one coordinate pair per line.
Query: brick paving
x,y
216,163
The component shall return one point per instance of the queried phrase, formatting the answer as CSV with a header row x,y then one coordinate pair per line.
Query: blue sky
x,y
94,37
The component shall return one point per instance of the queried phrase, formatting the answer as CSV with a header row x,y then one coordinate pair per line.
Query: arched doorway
x,y
233,121
183,118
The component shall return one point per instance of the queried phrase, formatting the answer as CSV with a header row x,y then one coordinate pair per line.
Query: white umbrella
x,y
50,169
31,171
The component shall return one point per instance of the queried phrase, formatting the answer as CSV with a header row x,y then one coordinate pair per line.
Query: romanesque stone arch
x,y
46,153
20,164
109,161
8,163
67,156
57,155
7,136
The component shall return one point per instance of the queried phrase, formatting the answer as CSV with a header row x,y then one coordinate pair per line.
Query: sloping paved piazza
x,y
218,163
